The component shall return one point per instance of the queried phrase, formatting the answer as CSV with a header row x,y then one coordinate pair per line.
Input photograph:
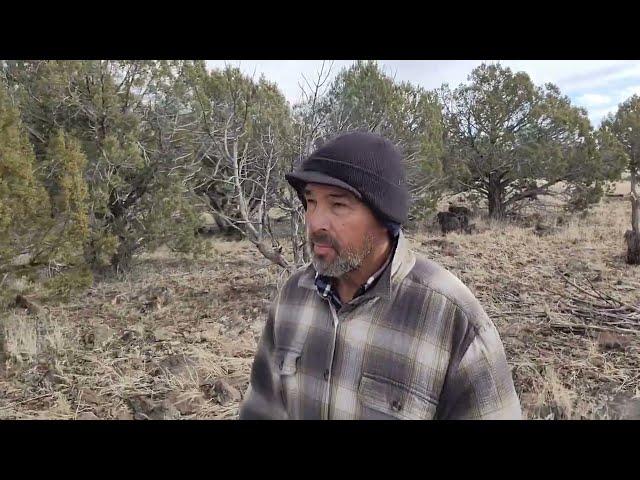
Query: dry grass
x,y
150,344
27,336
520,278
117,341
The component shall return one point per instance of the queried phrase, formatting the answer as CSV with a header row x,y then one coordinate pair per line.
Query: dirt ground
x,y
175,338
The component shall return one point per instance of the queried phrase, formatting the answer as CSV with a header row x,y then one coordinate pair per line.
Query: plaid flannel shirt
x,y
416,345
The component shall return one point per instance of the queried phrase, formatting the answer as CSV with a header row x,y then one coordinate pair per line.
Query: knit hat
x,y
367,165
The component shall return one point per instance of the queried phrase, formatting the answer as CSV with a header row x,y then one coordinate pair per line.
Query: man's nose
x,y
317,220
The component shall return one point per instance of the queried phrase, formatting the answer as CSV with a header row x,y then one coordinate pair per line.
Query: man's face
x,y
341,230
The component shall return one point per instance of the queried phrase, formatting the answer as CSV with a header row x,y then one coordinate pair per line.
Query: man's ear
x,y
382,228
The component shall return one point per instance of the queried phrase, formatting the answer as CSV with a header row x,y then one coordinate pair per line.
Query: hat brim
x,y
299,179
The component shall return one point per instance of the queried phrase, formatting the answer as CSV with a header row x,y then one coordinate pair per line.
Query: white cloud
x,y
601,78
629,92
430,74
593,100
563,73
288,74
596,115
597,85
616,97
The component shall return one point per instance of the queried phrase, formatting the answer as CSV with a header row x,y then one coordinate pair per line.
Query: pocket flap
x,y
395,399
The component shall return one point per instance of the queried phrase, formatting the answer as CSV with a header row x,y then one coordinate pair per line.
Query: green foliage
x,y
582,197
24,209
127,117
102,247
243,125
178,234
623,132
509,140
623,129
101,160
65,166
61,286
612,153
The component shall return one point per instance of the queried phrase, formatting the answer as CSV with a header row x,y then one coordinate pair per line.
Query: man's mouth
x,y
321,249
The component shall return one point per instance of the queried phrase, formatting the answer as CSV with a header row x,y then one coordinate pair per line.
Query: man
x,y
369,330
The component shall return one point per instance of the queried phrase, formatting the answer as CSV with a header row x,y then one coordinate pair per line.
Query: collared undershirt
x,y
325,286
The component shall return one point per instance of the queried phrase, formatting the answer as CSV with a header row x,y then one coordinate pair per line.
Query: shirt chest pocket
x,y
288,364
384,399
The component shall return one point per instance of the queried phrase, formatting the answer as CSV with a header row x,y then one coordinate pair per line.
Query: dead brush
x,y
119,383
29,337
568,372
598,310
552,400
517,278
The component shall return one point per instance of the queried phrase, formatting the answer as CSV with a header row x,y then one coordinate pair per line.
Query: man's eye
x,y
339,204
310,200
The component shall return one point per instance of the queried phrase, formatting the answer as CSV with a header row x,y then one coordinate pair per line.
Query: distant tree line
x,y
102,160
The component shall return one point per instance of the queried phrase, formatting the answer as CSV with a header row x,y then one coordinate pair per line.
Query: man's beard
x,y
347,260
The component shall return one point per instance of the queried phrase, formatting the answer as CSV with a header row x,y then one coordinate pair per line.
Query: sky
x,y
597,85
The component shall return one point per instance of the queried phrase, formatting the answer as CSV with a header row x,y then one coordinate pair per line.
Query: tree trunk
x,y
632,237
293,235
121,260
495,196
223,225
272,254
3,358
298,238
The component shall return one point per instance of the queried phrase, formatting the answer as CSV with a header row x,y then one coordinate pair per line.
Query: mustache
x,y
324,239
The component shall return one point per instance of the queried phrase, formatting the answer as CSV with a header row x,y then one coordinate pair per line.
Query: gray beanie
x,y
363,163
